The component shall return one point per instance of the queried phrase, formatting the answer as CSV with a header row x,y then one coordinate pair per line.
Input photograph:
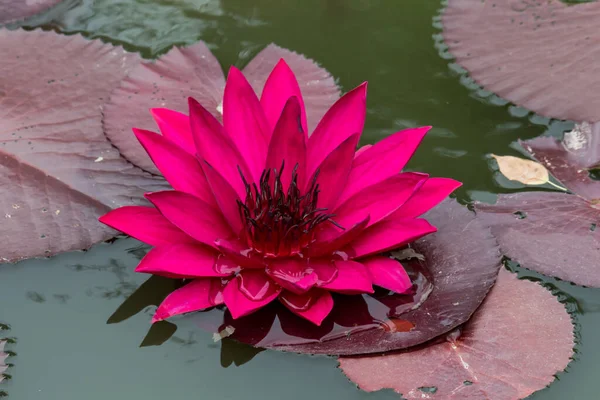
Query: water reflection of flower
x,y
261,212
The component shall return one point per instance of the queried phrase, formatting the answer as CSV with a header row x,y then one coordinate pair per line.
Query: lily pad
x,y
16,10
554,233
567,160
194,71
484,361
551,233
461,264
538,54
58,172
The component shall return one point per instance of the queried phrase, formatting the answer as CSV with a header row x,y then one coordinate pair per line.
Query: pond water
x,y
58,308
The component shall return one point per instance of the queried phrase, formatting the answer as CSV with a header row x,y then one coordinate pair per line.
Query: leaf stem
x,y
557,186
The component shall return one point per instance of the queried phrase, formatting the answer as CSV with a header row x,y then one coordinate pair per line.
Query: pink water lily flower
x,y
261,211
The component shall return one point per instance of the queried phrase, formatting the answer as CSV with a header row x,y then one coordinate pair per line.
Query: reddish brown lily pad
x,y
568,160
539,54
485,361
16,10
194,71
555,233
58,172
551,233
461,262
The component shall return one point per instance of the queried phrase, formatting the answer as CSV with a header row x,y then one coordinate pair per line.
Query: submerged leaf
x,y
461,264
525,171
58,172
541,55
16,10
194,71
486,361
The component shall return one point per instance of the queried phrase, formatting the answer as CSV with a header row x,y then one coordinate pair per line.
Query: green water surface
x,y
58,308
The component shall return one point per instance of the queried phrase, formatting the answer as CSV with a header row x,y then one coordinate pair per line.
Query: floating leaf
x,y
525,171
461,264
541,55
194,71
16,10
488,360
52,185
552,233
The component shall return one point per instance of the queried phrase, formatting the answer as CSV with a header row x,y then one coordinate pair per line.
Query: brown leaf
x,y
516,342
525,171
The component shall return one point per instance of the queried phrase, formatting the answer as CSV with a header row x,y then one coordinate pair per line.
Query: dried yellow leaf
x,y
521,170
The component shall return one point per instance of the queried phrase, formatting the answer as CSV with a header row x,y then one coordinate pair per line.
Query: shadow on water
x,y
275,325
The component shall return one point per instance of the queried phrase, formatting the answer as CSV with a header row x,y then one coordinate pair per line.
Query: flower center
x,y
280,223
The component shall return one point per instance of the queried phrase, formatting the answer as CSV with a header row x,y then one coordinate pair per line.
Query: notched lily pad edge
x,y
5,354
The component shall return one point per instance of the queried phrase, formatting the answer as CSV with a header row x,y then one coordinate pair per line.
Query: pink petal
x,y
280,86
379,200
256,284
352,278
193,216
288,145
179,168
146,224
293,274
388,273
333,172
344,119
240,253
428,196
325,269
362,149
313,306
383,160
245,122
196,295
175,126
181,260
225,196
388,234
237,300
216,148
332,238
